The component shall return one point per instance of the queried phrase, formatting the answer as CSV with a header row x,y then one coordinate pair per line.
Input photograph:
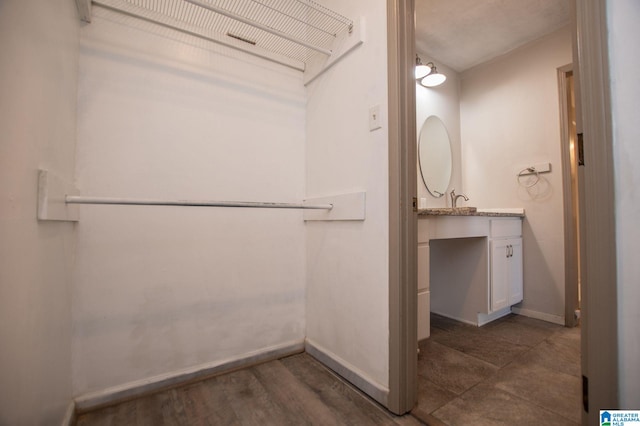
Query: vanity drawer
x,y
502,228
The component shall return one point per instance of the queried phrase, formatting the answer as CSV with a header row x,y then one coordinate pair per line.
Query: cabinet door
x,y
499,274
515,271
423,267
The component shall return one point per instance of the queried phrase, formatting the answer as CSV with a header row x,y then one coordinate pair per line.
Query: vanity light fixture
x,y
434,78
428,74
422,70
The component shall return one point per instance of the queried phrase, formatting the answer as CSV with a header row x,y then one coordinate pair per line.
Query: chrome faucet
x,y
454,198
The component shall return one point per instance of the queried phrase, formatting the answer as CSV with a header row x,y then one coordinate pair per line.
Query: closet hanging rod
x,y
259,26
77,199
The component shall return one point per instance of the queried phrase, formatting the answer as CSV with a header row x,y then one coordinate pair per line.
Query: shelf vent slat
x,y
297,30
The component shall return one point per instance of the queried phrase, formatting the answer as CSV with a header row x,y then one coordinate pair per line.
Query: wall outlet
x,y
375,121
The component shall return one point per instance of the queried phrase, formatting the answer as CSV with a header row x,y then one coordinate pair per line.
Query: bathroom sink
x,y
451,210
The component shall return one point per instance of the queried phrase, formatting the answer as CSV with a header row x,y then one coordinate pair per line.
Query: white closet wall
x,y
348,263
163,289
38,78
135,295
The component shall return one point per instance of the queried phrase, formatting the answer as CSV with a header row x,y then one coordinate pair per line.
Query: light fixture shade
x,y
422,71
433,79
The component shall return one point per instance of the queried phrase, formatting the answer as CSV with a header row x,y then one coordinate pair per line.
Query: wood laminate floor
x,y
516,370
295,390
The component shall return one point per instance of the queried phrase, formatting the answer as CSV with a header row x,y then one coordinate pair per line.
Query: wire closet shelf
x,y
293,29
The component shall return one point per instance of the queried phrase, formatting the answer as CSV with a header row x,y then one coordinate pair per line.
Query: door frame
x,y
572,212
599,337
599,297
403,235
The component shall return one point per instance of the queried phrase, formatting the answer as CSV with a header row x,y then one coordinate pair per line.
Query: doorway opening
x,y
573,177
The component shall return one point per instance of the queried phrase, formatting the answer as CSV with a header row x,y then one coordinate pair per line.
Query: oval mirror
x,y
434,154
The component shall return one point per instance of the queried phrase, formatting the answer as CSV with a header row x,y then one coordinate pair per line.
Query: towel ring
x,y
525,172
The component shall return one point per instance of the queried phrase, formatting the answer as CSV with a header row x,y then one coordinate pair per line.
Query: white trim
x,y
348,372
137,388
69,418
487,318
556,319
453,317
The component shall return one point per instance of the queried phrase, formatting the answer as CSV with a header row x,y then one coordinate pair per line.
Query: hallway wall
x,y
38,77
444,102
622,22
510,120
162,289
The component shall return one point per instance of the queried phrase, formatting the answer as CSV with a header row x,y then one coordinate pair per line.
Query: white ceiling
x,y
465,33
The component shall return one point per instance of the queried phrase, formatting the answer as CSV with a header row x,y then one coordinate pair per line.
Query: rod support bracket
x,y
52,194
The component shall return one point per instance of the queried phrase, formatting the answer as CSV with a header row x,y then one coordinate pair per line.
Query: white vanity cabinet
x,y
424,296
506,263
424,301
469,267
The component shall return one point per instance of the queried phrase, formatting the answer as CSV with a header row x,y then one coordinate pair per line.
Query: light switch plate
x,y
375,121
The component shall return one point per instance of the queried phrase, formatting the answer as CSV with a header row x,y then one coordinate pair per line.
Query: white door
x,y
499,274
515,271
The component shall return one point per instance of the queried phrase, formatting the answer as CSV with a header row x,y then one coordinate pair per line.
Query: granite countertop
x,y
472,211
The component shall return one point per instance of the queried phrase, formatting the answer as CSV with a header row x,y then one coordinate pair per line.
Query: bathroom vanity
x,y
469,264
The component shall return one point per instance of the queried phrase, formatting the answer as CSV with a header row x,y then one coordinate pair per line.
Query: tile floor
x,y
515,370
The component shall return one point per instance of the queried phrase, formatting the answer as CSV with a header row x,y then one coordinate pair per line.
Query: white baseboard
x,y
487,318
348,372
556,319
137,388
70,415
454,317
